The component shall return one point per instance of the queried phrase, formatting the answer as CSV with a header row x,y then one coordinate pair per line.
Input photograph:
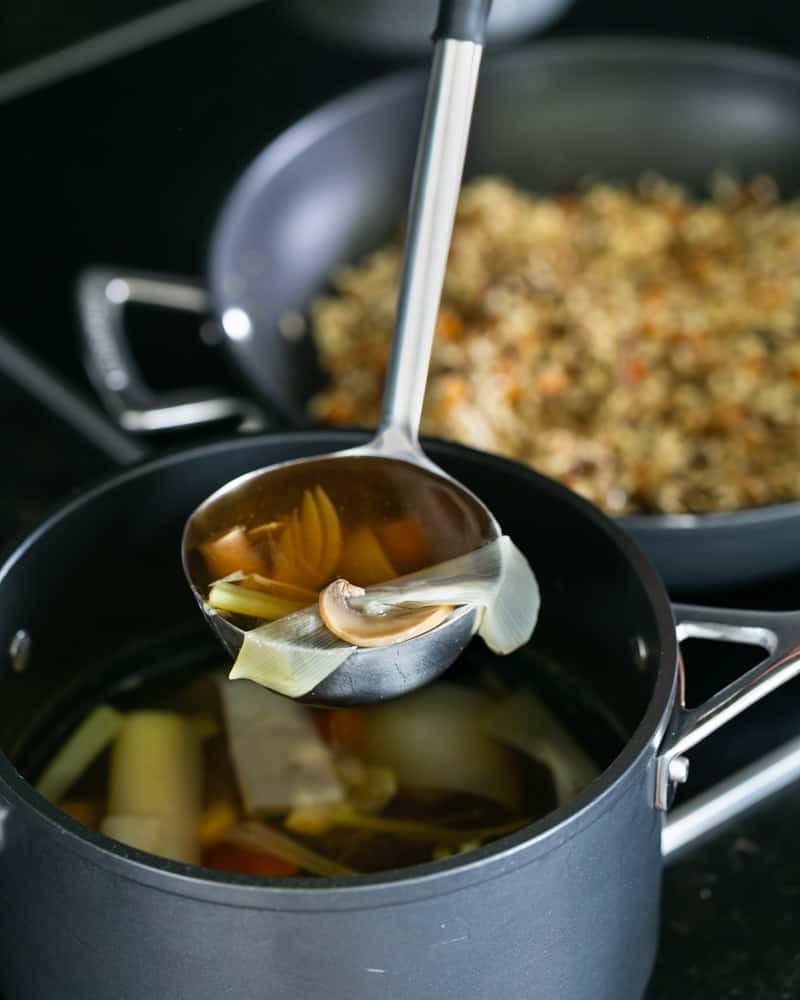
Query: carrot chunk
x,y
230,858
232,553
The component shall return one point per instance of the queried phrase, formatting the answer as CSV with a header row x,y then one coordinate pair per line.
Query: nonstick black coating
x,y
335,185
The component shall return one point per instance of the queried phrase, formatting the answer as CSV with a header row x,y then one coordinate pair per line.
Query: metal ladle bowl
x,y
370,675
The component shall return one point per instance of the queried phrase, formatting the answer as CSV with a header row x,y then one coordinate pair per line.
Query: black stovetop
x,y
128,164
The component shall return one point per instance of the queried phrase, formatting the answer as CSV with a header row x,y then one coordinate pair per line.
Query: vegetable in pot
x,y
279,758
432,739
523,721
93,735
156,785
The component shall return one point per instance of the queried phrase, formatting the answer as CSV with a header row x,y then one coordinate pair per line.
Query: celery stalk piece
x,y
241,601
87,742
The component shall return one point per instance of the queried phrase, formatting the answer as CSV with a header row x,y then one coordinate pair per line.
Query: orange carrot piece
x,y
229,858
449,325
345,728
322,720
86,811
405,543
232,553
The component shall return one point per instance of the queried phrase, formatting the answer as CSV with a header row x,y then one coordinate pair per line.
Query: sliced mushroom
x,y
381,625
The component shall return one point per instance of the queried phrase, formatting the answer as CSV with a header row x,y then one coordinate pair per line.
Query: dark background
x,y
127,164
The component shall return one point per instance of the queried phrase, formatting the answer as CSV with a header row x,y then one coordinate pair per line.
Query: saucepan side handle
x,y
103,295
778,634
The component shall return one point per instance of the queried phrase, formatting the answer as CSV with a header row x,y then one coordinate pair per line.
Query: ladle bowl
x,y
368,675
379,673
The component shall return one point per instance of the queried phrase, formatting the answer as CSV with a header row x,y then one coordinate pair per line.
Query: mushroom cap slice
x,y
383,627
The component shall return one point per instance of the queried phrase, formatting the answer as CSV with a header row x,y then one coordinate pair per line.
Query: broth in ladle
x,y
284,539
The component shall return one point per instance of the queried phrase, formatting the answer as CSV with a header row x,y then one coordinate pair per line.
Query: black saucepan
x,y
335,185
566,908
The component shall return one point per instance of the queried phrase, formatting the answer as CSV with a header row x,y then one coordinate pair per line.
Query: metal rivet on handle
x,y
4,814
20,650
679,770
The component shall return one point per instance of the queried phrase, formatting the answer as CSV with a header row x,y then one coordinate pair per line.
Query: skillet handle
x,y
102,296
778,633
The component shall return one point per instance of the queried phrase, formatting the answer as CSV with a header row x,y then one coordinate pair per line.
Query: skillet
x,y
335,185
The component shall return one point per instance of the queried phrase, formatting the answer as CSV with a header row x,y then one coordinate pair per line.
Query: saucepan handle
x,y
103,295
778,634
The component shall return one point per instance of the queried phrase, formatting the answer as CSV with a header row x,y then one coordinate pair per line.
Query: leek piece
x,y
277,753
93,735
143,832
157,774
241,600
432,739
523,722
291,656
495,577
253,836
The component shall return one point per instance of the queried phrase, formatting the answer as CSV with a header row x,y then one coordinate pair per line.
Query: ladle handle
x,y
434,195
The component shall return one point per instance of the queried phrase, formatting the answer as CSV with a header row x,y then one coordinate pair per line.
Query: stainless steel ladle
x,y
380,673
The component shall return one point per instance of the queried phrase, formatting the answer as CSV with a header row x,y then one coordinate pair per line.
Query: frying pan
x,y
335,185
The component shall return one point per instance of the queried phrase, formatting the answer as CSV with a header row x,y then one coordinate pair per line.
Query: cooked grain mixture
x,y
641,347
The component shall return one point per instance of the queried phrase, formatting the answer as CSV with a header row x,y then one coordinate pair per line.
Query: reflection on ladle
x,y
447,508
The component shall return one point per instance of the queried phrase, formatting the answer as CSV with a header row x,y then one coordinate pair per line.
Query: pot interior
x,y
101,593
